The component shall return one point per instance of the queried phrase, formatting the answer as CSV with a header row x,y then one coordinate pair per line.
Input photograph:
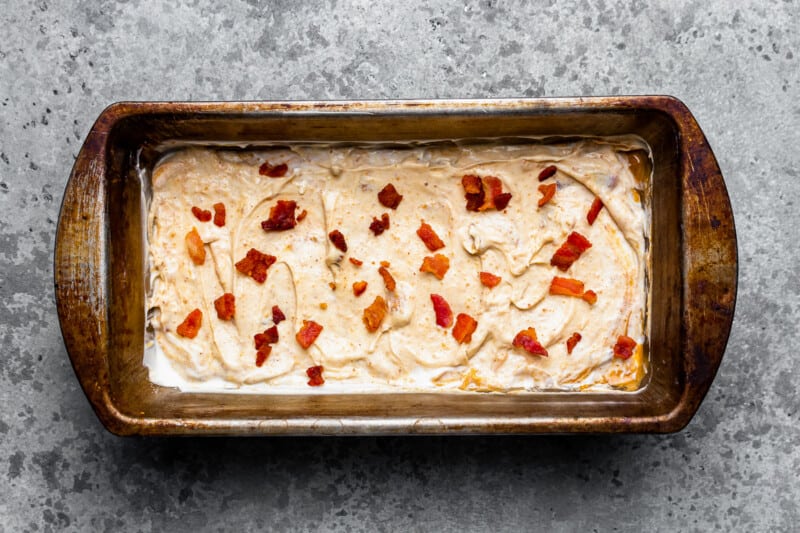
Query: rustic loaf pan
x,y
101,252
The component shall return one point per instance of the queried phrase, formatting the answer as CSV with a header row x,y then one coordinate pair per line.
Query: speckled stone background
x,y
735,64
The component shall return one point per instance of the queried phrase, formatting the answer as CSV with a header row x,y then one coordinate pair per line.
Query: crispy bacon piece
x,y
314,374
438,265
225,306
277,171
590,297
574,339
374,314
388,197
203,215
379,226
308,333
490,280
566,287
388,280
281,216
359,287
473,191
464,328
337,239
547,172
526,339
623,349
492,187
302,215
262,354
429,237
570,251
277,315
501,200
484,194
219,214
356,262
548,190
191,324
597,205
444,315
255,265
270,336
194,244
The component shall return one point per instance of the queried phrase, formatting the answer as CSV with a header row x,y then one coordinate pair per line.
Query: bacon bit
x,y
359,287
566,287
388,280
308,333
548,191
386,264
388,197
337,239
191,324
219,214
526,339
547,172
429,237
574,339
464,328
262,354
194,244
438,265
277,315
277,171
281,216
473,191
570,251
624,347
444,315
203,215
597,205
314,374
476,190
374,314
590,297
255,265
356,262
490,280
270,336
501,200
492,186
379,226
225,306
302,215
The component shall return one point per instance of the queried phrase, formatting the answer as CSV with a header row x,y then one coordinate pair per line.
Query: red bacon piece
x,y
337,239
388,197
548,190
277,171
314,374
191,324
526,339
485,193
379,226
277,315
219,214
566,287
308,333
429,237
356,262
225,306
570,251
547,172
590,297
203,215
270,336
374,314
490,280
597,205
388,280
194,245
359,287
255,265
444,315
438,265
464,328
501,200
473,191
262,354
492,187
574,339
281,216
623,349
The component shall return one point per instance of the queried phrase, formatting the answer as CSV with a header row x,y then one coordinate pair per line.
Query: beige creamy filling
x,y
338,188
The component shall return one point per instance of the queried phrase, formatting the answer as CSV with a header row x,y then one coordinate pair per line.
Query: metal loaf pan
x,y
101,252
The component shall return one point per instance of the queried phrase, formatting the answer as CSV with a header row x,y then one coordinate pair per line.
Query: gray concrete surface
x,y
734,63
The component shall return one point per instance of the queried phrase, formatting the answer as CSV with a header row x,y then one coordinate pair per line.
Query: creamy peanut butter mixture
x,y
312,279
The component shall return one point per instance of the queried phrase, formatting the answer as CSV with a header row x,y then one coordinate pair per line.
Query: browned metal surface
x,y
99,268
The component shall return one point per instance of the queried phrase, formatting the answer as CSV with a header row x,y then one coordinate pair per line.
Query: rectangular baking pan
x,y
101,252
